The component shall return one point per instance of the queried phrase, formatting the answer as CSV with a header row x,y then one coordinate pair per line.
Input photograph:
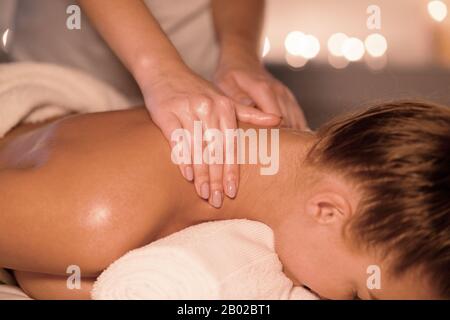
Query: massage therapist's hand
x,y
245,80
175,98
174,95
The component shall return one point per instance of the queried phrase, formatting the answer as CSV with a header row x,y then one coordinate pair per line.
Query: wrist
x,y
149,71
239,51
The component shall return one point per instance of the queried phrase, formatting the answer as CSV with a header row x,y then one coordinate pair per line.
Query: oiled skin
x,y
83,191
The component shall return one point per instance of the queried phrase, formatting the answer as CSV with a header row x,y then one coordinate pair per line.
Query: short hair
x,y
398,154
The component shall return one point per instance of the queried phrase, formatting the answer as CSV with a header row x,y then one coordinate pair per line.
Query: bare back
x,y
86,189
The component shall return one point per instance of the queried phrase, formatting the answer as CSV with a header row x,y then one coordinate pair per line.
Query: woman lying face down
x,y
358,210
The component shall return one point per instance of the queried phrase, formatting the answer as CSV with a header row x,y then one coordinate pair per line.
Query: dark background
x,y
324,92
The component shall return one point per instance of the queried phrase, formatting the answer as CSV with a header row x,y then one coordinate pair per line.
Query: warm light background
x,y
406,25
416,64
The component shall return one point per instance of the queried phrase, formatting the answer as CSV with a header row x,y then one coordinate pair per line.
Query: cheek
x,y
311,258
324,277
296,249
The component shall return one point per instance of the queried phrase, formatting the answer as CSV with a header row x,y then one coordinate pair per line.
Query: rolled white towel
x,y
33,92
231,259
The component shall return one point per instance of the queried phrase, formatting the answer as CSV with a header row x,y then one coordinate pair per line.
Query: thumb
x,y
257,117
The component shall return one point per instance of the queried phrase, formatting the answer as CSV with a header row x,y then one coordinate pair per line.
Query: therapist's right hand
x,y
177,97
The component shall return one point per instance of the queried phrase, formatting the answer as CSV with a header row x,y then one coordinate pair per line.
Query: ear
x,y
328,207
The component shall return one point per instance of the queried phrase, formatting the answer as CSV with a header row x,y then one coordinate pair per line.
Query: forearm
x,y
134,35
238,26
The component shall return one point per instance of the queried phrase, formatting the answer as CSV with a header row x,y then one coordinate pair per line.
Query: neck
x,y
267,198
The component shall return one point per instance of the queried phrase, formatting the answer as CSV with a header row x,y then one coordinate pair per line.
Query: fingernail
x,y
216,200
247,102
189,174
231,189
204,191
273,115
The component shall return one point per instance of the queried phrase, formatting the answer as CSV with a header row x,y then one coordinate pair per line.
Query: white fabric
x,y
33,92
230,259
12,293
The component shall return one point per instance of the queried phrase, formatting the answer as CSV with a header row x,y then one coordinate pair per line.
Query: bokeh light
x,y
266,47
353,49
437,10
295,61
337,62
5,37
311,47
376,63
293,42
335,43
376,45
299,44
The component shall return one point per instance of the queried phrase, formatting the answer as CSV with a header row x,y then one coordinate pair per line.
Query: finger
x,y
230,168
262,93
214,160
232,90
200,168
257,117
285,111
289,108
173,131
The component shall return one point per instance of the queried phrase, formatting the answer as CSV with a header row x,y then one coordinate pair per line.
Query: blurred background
x,y
340,55
326,53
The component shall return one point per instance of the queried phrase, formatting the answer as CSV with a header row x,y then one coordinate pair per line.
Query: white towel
x,y
230,259
33,92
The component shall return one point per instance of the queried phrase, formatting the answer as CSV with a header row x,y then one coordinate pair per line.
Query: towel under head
x,y
231,259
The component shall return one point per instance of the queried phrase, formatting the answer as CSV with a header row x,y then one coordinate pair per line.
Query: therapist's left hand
x,y
247,82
